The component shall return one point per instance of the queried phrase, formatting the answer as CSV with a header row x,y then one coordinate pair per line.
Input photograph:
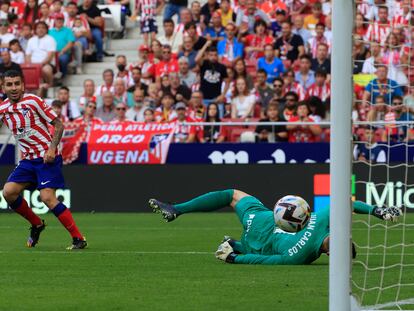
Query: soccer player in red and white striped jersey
x,y
27,116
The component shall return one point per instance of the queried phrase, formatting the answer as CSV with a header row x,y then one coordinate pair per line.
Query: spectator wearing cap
x,y
123,73
255,43
311,20
305,76
88,94
289,46
41,49
188,51
147,66
107,111
303,133
183,133
137,80
322,61
264,92
70,108
187,77
381,85
5,36
167,65
321,88
7,63
298,28
272,65
246,18
136,110
276,25
65,39
108,78
216,31
230,49
165,112
170,37
226,13
92,14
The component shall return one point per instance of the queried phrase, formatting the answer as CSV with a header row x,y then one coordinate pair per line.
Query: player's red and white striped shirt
x,y
377,32
148,8
28,120
296,88
323,92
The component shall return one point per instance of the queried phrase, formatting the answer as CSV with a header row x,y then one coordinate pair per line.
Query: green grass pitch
x,y
138,262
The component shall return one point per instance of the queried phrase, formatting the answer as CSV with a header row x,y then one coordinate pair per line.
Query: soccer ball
x,y
292,213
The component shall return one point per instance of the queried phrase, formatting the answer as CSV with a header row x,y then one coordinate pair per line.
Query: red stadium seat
x,y
32,76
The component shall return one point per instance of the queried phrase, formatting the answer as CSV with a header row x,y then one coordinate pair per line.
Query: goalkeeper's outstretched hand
x,y
387,213
225,252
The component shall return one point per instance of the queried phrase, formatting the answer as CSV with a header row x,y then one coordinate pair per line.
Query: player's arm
x,y
385,213
57,136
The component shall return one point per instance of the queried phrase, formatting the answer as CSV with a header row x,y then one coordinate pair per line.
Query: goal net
x,y
383,158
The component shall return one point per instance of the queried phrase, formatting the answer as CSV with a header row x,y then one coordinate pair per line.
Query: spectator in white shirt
x,y
5,36
242,104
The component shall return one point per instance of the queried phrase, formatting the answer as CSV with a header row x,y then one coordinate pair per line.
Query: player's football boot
x,y
387,213
78,244
35,234
168,212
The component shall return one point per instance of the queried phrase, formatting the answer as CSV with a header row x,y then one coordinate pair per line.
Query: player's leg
x,y
208,202
63,214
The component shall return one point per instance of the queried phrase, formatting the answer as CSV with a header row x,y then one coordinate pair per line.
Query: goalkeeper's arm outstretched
x,y
262,242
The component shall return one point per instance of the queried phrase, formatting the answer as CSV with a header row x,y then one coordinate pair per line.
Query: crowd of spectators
x,y
220,60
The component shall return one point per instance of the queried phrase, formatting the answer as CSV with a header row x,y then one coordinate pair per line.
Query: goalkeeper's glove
x,y
387,213
225,252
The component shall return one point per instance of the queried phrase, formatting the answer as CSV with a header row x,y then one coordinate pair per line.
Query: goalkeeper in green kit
x,y
262,242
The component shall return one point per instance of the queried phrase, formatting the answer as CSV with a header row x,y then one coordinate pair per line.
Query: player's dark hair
x,y
168,21
64,88
12,74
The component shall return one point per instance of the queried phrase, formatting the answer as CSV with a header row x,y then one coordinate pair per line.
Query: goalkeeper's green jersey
x,y
263,243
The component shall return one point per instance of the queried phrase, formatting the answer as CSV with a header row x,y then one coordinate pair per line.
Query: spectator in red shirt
x,y
303,133
88,117
183,133
321,88
166,65
255,43
31,12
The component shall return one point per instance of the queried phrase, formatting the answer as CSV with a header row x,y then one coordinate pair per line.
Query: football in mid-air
x,y
292,213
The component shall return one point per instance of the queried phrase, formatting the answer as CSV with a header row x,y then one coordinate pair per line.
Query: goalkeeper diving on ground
x,y
262,242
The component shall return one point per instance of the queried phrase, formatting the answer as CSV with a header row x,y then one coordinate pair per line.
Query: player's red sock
x,y
21,207
65,217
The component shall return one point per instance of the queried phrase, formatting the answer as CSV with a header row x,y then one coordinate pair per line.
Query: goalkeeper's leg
x,y
208,202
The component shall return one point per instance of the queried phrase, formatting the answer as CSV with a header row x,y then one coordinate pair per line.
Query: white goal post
x,y
340,167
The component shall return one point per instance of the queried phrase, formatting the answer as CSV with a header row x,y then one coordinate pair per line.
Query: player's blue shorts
x,y
148,26
40,175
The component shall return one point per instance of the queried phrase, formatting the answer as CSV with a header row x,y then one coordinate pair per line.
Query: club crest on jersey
x,y
26,112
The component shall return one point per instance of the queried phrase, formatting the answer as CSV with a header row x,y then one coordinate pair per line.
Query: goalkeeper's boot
x,y
78,243
35,234
168,212
387,213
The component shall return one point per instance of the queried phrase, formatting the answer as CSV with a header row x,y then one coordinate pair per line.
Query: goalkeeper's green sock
x,y
363,208
207,202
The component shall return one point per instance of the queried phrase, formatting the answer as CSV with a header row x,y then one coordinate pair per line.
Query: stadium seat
x,y
32,75
113,20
